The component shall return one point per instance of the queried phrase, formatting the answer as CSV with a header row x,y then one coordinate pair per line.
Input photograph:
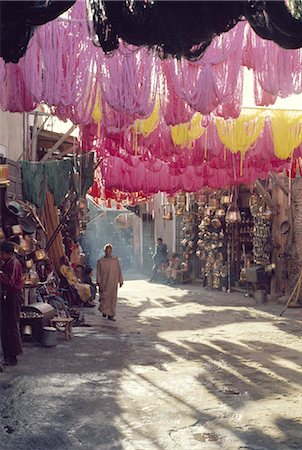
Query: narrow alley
x,y
182,368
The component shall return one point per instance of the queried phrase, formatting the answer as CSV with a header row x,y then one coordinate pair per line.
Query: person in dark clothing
x,y
11,299
160,257
87,278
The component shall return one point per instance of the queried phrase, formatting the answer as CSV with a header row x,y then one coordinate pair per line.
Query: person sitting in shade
x,y
173,269
108,277
87,278
82,289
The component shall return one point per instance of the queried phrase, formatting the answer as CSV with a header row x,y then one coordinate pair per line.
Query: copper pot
x,y
31,278
220,212
29,264
233,215
208,211
2,235
202,199
16,230
213,202
216,223
25,245
40,254
225,199
243,274
206,222
268,214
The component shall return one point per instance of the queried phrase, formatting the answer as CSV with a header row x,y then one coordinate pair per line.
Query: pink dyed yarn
x,y
212,80
132,176
129,81
63,69
277,71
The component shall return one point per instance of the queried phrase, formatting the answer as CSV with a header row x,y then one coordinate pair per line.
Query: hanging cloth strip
x,y
85,166
55,176
34,183
58,178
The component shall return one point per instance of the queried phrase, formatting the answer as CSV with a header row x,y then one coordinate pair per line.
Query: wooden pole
x,y
58,143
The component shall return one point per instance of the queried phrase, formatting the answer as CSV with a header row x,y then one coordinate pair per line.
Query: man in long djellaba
x,y
108,277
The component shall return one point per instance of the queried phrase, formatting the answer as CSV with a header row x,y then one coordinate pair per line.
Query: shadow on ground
x,y
171,373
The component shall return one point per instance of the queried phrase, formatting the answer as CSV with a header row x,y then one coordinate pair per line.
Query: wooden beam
x,y
58,143
265,195
279,183
34,136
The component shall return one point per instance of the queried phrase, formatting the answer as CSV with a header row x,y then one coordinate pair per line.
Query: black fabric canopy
x,y
172,28
18,20
186,28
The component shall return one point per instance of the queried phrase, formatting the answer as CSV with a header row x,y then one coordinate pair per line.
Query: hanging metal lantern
x,y
233,214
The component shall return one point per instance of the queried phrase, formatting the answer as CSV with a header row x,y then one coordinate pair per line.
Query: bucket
x,y
49,337
259,296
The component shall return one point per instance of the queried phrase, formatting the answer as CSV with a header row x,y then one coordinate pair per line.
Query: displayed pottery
x,y
206,221
220,212
40,254
208,211
29,264
216,223
225,199
16,230
31,278
233,215
25,245
28,225
15,208
213,202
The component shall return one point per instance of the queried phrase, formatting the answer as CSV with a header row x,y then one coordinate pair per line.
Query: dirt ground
x,y
182,368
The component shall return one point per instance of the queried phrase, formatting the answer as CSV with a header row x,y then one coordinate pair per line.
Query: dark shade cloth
x,y
18,21
84,174
34,184
186,28
56,177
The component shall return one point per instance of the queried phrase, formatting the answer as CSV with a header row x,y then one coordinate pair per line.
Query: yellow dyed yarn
x,y
146,126
287,132
239,134
184,134
97,114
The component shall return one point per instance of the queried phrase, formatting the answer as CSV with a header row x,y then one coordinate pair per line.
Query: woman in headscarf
x,y
83,289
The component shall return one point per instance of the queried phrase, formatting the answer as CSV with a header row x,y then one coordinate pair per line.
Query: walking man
x,y
160,257
11,299
108,277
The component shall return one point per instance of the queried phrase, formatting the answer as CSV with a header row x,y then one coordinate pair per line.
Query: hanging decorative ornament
x,y
233,215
